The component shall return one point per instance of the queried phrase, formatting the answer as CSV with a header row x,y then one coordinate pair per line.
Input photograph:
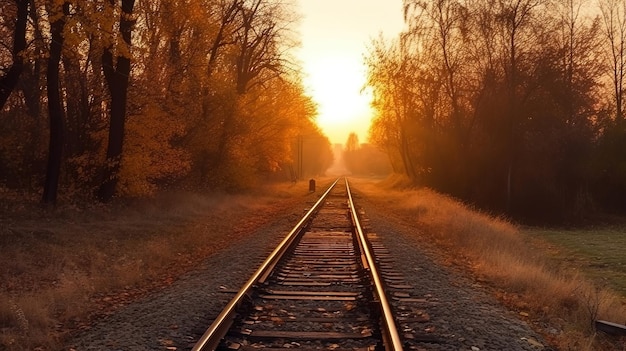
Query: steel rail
x,y
392,338
218,329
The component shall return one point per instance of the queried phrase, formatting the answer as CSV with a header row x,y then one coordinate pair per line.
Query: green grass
x,y
599,253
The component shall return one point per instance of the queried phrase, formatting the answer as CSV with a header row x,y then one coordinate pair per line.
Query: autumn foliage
x,y
211,98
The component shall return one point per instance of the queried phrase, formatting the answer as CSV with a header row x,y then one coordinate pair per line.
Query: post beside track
x,y
319,289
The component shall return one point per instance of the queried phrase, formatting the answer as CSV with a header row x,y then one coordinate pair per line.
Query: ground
x,y
69,269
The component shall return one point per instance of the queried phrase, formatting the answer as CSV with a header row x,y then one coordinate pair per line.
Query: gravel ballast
x,y
462,315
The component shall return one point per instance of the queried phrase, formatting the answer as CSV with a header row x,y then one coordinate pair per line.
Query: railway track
x,y
319,296
327,286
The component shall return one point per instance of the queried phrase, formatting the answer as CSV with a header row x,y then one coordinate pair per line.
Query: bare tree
x,y
445,26
578,44
228,10
259,58
392,73
614,19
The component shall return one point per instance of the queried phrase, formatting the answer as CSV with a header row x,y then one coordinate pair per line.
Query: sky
x,y
335,35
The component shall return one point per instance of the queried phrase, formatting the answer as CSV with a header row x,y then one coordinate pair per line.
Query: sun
x,y
335,36
336,85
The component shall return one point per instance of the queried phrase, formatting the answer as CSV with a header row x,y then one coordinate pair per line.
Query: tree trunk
x,y
9,81
117,78
55,108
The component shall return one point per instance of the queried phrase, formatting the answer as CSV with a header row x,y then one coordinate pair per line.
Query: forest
x,y
513,105
105,98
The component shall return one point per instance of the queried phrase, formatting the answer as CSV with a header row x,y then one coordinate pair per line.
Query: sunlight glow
x,y
335,36
335,85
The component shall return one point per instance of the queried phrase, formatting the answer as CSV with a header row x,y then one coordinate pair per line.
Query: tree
x,y
441,28
364,159
393,74
445,26
515,16
258,44
614,20
481,99
257,59
9,80
311,152
116,59
210,91
55,104
350,150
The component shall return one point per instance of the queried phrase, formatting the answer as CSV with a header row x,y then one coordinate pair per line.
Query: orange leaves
x,y
149,155
183,114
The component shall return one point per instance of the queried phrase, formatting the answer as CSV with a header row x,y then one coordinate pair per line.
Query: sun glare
x,y
335,84
335,35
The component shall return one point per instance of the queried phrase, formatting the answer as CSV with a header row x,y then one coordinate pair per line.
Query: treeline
x,y
365,159
515,105
121,97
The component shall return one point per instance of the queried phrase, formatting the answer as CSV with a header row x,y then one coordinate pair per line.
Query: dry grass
x,y
61,268
558,301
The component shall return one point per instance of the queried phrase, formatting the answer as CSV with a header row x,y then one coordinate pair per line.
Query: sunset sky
x,y
335,35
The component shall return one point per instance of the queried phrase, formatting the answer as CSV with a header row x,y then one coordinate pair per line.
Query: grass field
x,y
599,253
